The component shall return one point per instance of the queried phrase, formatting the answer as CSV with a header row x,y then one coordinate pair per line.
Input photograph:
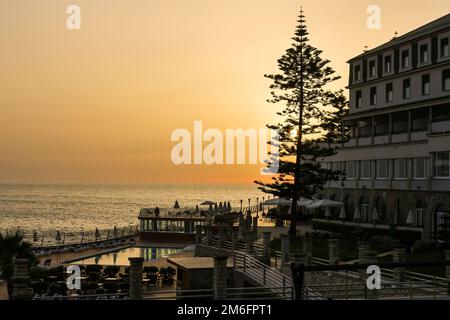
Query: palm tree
x,y
13,246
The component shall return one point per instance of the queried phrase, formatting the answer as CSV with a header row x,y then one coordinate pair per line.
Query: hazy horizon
x,y
98,105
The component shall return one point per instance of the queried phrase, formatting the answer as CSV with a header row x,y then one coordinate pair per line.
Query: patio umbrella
x,y
35,237
97,233
58,236
220,206
342,214
211,209
177,205
229,206
207,203
215,207
197,210
357,215
324,204
375,216
115,231
410,220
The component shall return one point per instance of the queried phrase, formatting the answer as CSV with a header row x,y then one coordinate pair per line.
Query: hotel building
x,y
397,163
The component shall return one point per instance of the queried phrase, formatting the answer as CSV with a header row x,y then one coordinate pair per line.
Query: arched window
x,y
442,223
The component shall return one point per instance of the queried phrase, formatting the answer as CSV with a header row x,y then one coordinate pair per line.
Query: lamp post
x,y
249,209
241,204
263,206
257,207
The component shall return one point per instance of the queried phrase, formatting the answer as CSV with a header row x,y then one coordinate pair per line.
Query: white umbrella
x,y
324,204
410,220
357,215
342,214
278,202
375,216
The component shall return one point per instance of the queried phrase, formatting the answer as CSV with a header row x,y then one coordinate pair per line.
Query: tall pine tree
x,y
301,88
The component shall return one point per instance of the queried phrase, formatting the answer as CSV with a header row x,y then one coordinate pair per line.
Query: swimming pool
x,y
120,257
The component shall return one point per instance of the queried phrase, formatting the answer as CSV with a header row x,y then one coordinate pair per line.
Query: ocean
x,y
77,208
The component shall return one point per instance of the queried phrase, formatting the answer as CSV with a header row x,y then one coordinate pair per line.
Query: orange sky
x,y
99,104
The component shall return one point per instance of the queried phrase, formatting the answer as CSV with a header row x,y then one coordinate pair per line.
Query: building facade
x,y
397,163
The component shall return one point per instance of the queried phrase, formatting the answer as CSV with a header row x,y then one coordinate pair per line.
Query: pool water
x,y
120,257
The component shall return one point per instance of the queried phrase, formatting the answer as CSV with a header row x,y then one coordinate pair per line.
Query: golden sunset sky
x,y
98,105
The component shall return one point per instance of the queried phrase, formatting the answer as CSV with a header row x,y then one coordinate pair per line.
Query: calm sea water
x,y
73,208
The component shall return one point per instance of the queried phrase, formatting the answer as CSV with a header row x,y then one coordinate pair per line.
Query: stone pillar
x,y
285,248
255,223
220,278
248,220
399,257
242,226
235,238
300,259
21,280
266,248
333,251
136,287
308,250
363,254
222,236
198,234
208,235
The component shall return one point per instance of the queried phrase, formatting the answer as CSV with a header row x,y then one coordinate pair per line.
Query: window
x,y
400,122
365,172
357,73
400,169
423,53
442,165
388,64
372,69
441,113
381,125
373,96
389,92
420,168
358,99
426,89
365,128
406,88
405,59
444,48
336,166
419,217
382,169
350,169
446,80
419,119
